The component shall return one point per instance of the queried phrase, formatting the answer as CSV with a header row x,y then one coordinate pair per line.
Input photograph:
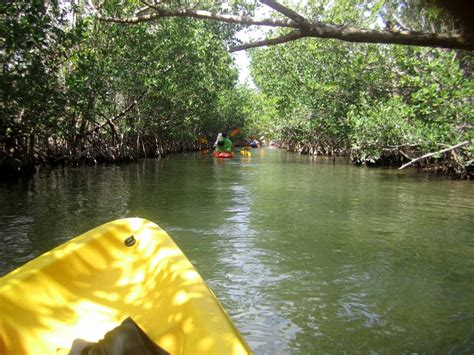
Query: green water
x,y
307,256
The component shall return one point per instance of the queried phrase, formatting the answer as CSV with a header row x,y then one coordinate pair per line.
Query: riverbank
x,y
14,163
454,162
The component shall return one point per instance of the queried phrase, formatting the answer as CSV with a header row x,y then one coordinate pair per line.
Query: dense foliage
x,y
75,89
380,104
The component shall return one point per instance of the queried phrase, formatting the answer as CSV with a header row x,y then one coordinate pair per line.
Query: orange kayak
x,y
222,154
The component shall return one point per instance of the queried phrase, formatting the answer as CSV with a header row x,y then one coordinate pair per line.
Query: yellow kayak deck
x,y
89,285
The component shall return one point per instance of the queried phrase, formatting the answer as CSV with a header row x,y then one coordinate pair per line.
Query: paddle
x,y
244,152
235,132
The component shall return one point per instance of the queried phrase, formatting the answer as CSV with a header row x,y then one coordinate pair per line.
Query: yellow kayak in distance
x,y
89,285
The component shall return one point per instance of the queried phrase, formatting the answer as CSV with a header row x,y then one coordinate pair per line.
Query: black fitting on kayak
x,y
130,241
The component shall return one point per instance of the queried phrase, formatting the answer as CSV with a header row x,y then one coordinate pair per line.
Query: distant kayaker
x,y
255,144
223,144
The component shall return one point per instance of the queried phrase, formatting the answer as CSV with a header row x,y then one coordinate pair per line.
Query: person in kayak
x,y
224,144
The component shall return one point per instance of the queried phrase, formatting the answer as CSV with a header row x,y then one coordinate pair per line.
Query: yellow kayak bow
x,y
89,285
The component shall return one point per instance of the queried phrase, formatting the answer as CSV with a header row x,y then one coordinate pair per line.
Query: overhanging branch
x,y
304,27
286,11
292,36
199,14
350,34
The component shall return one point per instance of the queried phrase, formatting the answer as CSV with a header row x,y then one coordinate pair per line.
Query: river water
x,y
306,255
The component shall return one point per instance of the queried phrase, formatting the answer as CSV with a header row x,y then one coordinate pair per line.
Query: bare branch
x,y
109,121
200,14
351,34
141,11
431,154
294,35
399,23
286,11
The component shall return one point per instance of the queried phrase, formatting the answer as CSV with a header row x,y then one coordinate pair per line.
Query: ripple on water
x,y
15,237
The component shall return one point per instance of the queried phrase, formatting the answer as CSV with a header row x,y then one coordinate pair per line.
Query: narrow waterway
x,y
306,255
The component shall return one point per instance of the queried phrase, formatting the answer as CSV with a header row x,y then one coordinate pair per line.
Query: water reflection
x,y
56,205
242,273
